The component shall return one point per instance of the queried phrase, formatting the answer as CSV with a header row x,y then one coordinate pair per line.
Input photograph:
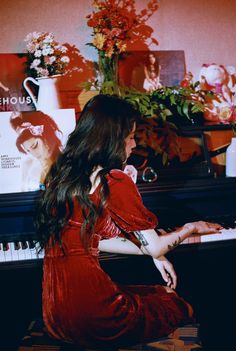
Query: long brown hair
x,y
98,140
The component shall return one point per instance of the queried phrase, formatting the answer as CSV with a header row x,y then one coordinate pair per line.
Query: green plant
x,y
180,105
162,111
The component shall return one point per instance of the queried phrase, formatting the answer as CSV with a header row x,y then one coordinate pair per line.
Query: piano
x,y
203,261
211,199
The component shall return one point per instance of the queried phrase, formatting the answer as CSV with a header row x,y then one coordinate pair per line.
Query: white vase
x,y
47,98
230,165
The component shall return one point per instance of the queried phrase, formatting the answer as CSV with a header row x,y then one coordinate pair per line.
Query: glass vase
x,y
108,70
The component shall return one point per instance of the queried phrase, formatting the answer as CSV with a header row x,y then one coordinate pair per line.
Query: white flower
x,y
63,49
32,36
31,47
43,72
52,59
38,53
48,39
65,59
46,51
176,92
35,63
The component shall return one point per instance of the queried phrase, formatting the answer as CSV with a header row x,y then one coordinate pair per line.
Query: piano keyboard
x,y
224,234
19,251
27,250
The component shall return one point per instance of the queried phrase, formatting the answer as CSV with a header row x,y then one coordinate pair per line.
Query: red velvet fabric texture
x,y
81,304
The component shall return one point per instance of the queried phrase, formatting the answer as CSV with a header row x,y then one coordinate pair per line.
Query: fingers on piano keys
x,y
19,251
227,233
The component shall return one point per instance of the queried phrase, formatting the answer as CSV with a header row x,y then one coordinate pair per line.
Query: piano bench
x,y
184,338
36,339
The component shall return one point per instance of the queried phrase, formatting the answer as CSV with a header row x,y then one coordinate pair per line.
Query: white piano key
x,y
21,254
225,234
26,249
39,253
2,257
7,252
14,252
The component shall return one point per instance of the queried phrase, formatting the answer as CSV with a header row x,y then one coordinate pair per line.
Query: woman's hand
x,y
202,227
167,271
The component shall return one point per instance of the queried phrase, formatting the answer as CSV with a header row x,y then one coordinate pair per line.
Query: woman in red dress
x,y
89,205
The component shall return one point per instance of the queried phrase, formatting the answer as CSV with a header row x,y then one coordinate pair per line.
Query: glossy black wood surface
x,y
205,271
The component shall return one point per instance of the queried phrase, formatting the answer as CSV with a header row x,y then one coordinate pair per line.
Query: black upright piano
x,y
205,266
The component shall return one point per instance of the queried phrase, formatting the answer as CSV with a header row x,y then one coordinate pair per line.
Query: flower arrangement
x,y
46,57
113,22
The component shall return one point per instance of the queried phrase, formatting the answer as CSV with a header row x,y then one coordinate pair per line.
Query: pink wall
x,y
204,29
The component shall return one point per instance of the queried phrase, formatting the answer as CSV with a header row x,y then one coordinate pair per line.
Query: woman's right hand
x,y
202,227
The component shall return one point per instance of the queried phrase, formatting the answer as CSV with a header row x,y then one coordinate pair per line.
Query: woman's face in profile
x,y
130,142
37,148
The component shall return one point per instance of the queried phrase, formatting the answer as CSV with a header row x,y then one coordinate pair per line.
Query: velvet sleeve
x,y
126,206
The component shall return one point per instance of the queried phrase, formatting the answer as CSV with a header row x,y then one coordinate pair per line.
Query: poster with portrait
x,y
29,144
148,70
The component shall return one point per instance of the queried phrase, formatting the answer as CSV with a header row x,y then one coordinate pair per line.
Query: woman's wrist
x,y
189,227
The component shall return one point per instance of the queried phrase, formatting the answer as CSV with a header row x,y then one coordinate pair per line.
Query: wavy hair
x,y
148,64
98,140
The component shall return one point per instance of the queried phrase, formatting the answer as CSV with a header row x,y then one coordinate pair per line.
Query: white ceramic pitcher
x,y
47,94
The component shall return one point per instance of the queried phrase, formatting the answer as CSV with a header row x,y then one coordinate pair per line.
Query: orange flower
x,y
99,40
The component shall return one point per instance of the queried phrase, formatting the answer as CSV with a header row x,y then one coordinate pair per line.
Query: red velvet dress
x,y
81,304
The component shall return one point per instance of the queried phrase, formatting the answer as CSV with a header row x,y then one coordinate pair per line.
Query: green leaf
x,y
186,108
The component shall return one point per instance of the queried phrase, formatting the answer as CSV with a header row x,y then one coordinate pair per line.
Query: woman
x,y
151,73
89,205
40,139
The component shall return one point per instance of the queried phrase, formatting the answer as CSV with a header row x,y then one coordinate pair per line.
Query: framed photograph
x,y
149,70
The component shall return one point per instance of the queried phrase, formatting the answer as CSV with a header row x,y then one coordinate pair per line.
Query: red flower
x,y
116,19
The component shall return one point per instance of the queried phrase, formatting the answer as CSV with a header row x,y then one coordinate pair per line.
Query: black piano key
x,y
16,245
31,244
5,246
24,245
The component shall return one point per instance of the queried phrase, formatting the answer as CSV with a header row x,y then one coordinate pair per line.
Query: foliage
x,y
46,57
162,111
181,105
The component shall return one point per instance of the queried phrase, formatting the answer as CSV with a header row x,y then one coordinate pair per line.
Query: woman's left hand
x,y
167,271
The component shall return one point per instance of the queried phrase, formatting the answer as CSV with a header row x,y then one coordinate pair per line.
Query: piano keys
x,y
224,234
29,250
19,251
173,203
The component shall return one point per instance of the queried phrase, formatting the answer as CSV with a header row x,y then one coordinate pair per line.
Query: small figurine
x,y
217,79
187,81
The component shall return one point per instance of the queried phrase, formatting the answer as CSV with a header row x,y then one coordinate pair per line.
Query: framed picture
x,y
163,67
